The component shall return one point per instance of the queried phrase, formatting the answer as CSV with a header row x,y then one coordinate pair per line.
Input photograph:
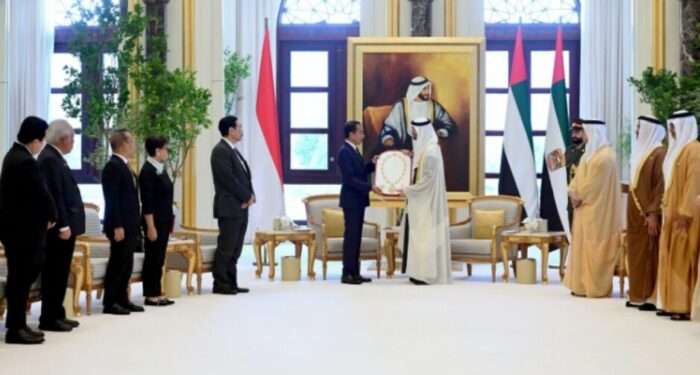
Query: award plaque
x,y
393,172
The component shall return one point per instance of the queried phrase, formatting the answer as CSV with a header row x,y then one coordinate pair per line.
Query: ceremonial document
x,y
394,172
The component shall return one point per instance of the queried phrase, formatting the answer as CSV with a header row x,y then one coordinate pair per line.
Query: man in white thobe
x,y
426,242
417,103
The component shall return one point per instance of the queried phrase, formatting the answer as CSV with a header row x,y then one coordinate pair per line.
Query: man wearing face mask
x,y
573,155
27,212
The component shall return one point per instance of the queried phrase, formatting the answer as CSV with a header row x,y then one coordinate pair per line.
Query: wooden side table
x,y
273,238
542,241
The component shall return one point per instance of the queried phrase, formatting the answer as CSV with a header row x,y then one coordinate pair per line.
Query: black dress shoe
x,y
22,336
55,326
33,332
225,291
647,307
133,308
632,305
680,317
115,309
347,279
168,301
417,282
363,279
242,290
663,313
160,302
70,322
577,295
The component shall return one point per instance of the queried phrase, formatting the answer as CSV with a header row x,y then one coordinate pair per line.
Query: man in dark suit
x,y
121,223
233,195
354,197
27,211
60,240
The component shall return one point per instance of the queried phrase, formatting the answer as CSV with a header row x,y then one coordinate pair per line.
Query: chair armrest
x,y
196,229
93,239
194,236
462,230
374,227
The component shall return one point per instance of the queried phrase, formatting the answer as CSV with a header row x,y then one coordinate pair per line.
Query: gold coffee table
x,y
272,238
542,241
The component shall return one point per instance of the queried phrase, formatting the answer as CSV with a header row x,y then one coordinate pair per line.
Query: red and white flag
x,y
267,157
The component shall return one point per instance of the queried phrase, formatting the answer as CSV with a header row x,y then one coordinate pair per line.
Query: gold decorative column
x,y
133,97
450,17
189,205
392,24
658,42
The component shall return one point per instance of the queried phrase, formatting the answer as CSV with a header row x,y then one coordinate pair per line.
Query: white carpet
x,y
387,327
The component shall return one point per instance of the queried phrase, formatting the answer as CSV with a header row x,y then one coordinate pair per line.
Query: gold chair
x,y
465,248
332,247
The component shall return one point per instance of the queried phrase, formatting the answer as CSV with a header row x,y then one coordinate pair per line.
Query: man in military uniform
x,y
573,155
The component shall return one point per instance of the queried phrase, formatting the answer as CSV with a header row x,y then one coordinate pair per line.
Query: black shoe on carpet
x,y
417,282
647,307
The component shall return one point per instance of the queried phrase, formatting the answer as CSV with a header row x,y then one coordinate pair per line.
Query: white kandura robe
x,y
429,233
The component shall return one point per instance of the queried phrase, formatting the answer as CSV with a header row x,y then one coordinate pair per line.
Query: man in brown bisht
x,y
678,250
595,195
644,212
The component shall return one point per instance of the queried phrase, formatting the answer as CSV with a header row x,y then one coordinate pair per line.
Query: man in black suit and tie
x,y
354,197
60,240
121,223
27,211
233,195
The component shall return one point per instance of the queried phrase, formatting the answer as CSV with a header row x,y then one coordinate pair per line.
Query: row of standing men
x,y
42,214
663,221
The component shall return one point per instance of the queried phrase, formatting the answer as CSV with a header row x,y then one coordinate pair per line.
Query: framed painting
x,y
392,81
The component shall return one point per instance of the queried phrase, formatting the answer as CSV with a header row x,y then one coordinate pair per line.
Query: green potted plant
x,y
98,92
236,67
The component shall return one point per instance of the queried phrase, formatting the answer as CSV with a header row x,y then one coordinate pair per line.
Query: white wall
x,y
5,139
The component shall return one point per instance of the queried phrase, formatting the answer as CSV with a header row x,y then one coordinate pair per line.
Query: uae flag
x,y
267,174
518,176
554,197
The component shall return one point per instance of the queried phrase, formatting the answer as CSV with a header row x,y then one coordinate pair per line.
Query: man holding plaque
x,y
354,197
426,244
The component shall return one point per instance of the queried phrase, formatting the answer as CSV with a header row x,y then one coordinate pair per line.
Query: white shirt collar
x,y
123,158
155,163
351,144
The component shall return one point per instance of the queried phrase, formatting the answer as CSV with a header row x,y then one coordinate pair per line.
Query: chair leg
x,y
99,293
493,273
515,269
325,267
199,282
379,265
88,301
469,269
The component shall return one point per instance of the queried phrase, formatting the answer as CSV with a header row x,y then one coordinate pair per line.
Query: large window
x,y
311,81
539,20
64,15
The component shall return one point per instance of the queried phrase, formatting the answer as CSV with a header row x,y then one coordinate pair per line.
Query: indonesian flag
x,y
518,175
267,157
554,198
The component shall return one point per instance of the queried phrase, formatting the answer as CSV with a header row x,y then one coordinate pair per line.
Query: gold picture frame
x,y
450,63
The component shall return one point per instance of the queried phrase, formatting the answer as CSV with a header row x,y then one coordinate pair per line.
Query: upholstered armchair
x,y
34,292
3,284
466,248
205,246
332,247
94,246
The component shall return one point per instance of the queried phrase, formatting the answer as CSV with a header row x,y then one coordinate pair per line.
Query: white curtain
x,y
606,63
30,46
246,37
